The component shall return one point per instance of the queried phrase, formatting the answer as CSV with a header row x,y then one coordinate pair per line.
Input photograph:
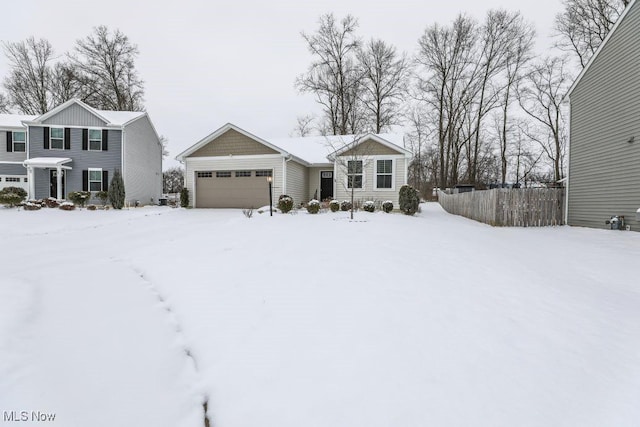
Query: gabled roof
x,y
14,120
602,45
314,150
115,118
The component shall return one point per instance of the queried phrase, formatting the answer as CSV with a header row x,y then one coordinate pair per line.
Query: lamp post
x,y
270,180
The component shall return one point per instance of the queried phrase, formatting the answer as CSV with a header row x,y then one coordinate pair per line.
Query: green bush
x,y
103,196
79,197
12,196
117,193
369,206
313,207
409,200
345,205
184,198
334,205
285,203
387,206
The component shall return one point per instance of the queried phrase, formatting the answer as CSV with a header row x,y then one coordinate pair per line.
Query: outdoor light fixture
x,y
270,180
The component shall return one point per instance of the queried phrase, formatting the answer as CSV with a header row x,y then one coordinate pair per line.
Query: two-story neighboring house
x,y
13,151
75,147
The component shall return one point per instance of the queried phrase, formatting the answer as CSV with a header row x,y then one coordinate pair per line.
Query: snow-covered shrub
x,y
334,205
248,213
313,207
67,206
12,196
92,207
184,197
117,193
29,206
103,196
79,197
52,202
387,206
409,200
369,206
285,203
345,205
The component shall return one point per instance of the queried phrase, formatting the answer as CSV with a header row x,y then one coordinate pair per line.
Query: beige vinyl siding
x,y
604,168
371,148
142,162
297,182
74,115
369,192
5,156
232,143
200,164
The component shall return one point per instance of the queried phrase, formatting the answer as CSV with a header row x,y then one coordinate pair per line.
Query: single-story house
x,y
230,168
604,150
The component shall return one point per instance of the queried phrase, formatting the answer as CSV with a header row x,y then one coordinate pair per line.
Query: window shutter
x,y
9,141
46,138
67,138
85,180
105,139
105,180
85,139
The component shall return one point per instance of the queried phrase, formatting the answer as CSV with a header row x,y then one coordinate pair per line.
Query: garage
x,y
232,189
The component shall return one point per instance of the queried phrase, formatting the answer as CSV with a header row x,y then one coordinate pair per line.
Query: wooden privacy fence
x,y
527,207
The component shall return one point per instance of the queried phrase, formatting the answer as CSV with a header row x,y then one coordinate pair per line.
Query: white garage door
x,y
232,189
17,181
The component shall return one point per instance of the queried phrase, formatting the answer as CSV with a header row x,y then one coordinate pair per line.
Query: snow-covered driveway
x,y
301,320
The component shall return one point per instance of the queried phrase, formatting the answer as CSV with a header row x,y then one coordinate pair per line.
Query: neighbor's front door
x,y
53,183
326,185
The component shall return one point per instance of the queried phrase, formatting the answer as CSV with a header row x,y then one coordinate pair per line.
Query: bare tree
x,y
29,81
385,79
65,84
423,165
333,76
304,125
583,25
4,104
172,180
541,96
105,63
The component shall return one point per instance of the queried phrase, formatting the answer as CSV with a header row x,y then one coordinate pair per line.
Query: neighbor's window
x,y
57,138
19,141
384,173
243,174
354,174
95,179
263,173
223,174
12,179
95,140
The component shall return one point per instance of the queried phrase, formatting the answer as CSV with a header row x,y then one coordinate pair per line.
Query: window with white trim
x,y
223,174
19,139
384,173
205,174
354,174
56,139
263,173
243,174
95,179
12,179
95,140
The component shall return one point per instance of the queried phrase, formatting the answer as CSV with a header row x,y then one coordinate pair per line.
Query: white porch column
x,y
59,182
32,183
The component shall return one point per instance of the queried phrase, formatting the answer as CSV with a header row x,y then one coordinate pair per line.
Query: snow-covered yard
x,y
134,318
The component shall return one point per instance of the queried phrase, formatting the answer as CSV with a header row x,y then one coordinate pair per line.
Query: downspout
x,y
566,194
285,159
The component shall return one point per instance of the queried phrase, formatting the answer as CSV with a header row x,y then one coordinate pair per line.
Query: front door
x,y
53,183
326,185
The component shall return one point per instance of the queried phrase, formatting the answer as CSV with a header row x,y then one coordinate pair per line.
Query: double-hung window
x,y
354,174
95,140
384,173
19,141
57,139
95,179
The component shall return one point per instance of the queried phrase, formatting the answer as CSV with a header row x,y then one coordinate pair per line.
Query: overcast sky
x,y
206,63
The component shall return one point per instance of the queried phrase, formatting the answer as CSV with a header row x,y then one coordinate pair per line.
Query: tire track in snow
x,y
173,320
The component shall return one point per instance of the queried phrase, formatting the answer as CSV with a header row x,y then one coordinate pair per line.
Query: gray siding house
x,y
604,153
75,147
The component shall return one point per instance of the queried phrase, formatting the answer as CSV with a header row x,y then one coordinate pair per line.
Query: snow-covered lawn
x,y
134,318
